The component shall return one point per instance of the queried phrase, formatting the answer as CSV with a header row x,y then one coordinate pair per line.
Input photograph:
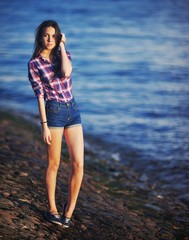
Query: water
x,y
131,73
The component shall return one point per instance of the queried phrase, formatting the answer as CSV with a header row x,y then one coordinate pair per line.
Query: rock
x,y
159,196
23,174
6,194
153,206
7,218
83,227
143,178
6,204
23,200
25,227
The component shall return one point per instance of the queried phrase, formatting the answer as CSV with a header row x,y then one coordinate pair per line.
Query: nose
x,y
49,38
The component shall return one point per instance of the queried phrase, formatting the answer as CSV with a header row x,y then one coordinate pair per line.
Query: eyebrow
x,y
49,33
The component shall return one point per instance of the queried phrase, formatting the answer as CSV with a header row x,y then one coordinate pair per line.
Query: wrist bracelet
x,y
43,122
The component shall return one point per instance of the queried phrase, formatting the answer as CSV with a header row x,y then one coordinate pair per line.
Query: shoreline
x,y
106,209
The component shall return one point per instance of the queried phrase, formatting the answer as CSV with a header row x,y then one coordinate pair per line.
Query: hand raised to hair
x,y
63,39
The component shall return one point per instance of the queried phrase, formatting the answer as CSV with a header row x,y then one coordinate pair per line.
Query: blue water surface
x,y
131,71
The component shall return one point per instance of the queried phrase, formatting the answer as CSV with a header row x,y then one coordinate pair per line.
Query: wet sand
x,y
105,209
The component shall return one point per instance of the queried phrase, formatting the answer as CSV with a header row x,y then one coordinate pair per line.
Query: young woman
x,y
50,71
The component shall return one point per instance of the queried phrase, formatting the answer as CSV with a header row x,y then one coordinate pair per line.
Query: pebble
x,y
23,174
153,207
159,196
6,194
6,203
83,227
23,200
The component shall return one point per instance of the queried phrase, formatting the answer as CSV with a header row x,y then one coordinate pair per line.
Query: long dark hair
x,y
38,36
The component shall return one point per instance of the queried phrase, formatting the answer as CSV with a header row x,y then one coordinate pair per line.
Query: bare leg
x,y
74,139
53,153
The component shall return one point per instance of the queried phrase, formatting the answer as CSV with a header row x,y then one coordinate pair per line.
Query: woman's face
x,y
49,38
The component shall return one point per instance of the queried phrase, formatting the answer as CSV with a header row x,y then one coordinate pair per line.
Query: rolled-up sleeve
x,y
34,78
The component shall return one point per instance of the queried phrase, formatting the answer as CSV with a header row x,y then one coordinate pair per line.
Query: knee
x,y
53,166
78,166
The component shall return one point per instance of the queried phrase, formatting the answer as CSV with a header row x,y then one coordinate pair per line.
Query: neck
x,y
46,53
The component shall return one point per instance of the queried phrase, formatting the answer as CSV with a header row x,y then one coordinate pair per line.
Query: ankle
x,y
68,214
53,211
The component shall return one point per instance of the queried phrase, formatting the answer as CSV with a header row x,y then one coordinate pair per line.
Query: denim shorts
x,y
62,115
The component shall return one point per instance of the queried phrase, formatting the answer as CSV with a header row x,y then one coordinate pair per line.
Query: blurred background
x,y
130,77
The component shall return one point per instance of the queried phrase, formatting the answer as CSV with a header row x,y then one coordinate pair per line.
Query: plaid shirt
x,y
47,80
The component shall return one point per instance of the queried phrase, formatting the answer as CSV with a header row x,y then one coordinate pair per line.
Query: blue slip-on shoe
x,y
66,221
53,218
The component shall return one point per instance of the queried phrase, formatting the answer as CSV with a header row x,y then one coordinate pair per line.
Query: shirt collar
x,y
45,60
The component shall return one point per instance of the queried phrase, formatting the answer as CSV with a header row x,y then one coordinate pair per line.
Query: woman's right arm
x,y
34,77
46,132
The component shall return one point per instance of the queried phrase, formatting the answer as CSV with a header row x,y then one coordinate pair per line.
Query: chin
x,y
50,47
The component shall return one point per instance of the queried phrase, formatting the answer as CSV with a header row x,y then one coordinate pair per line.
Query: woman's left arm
x,y
66,66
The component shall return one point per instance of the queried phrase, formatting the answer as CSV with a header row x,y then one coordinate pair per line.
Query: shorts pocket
x,y
75,106
53,108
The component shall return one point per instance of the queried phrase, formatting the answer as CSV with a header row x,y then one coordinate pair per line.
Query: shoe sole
x,y
65,226
58,223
